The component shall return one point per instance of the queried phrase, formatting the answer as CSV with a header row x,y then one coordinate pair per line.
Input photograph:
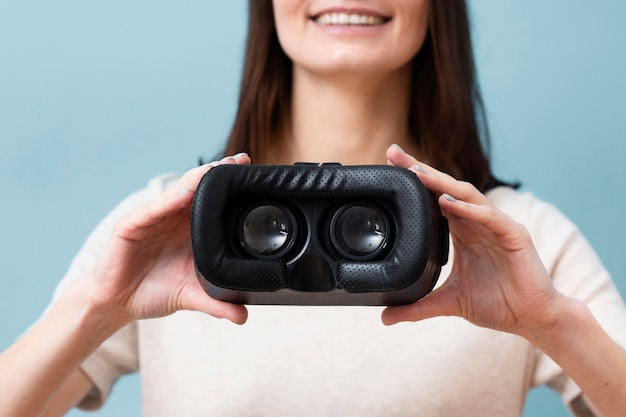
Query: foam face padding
x,y
401,237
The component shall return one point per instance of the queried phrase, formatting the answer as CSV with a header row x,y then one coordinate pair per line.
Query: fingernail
x,y
209,165
240,155
420,169
397,146
450,198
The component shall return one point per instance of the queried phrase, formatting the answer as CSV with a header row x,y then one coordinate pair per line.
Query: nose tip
x,y
311,273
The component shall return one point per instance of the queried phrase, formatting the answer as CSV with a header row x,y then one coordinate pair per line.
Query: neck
x,y
351,120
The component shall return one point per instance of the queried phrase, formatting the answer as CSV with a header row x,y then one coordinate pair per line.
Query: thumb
x,y
438,303
199,300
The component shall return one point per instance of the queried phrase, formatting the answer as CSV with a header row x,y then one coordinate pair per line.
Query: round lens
x,y
266,230
360,232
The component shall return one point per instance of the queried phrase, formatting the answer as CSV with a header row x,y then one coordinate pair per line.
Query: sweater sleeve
x,y
117,355
577,272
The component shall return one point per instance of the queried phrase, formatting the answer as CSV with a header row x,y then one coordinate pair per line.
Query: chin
x,y
351,59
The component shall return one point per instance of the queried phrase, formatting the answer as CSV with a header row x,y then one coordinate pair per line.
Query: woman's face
x,y
350,36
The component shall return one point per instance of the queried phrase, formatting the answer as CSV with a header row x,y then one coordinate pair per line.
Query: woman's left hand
x,y
497,279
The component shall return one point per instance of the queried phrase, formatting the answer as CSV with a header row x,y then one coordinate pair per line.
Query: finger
x,y
441,183
486,215
397,157
436,181
236,313
191,178
240,158
172,200
137,223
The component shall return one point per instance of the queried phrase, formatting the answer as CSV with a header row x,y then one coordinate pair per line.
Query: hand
x,y
497,279
147,268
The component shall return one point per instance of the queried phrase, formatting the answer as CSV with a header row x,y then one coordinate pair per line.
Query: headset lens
x,y
359,232
267,230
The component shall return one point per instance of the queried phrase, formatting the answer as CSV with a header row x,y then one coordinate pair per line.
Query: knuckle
x,y
467,188
491,212
523,232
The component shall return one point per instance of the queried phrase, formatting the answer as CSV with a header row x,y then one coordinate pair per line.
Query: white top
x,y
321,361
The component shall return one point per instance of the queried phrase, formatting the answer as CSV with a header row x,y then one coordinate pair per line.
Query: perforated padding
x,y
409,200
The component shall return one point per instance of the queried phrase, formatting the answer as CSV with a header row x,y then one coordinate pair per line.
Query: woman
x,y
354,82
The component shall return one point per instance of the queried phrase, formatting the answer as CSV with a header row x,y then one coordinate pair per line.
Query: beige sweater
x,y
341,361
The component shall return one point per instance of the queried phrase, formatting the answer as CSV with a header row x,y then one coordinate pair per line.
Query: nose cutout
x,y
311,273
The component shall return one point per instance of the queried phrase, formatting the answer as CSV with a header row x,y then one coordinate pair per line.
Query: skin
x,y
348,50
348,83
499,282
146,269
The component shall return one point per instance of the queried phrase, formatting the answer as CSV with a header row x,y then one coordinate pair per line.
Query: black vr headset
x,y
309,234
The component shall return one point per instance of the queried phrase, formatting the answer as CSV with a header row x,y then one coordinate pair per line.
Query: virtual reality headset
x,y
317,234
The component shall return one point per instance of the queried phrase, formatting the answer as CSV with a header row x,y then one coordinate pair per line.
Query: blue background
x,y
97,97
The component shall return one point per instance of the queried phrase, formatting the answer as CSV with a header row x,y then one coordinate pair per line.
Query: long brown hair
x,y
446,115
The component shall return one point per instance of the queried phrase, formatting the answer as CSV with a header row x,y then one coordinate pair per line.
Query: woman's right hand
x,y
147,270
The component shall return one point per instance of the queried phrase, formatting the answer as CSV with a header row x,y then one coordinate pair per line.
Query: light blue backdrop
x,y
97,97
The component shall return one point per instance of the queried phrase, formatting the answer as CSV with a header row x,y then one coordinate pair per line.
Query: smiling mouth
x,y
349,19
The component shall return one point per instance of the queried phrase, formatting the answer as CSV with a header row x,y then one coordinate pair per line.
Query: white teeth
x,y
353,19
